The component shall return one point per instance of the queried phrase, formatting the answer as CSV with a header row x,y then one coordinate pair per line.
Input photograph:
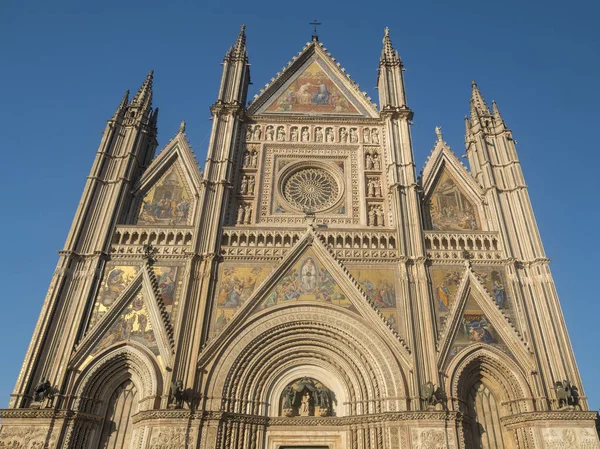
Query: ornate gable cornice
x,y
443,157
287,72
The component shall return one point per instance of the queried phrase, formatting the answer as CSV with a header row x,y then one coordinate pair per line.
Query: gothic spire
x,y
495,111
389,56
477,102
143,97
239,49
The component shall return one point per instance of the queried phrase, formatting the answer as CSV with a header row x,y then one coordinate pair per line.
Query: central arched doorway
x,y
117,428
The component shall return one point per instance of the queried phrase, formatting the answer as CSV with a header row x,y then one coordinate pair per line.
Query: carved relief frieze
x,y
27,437
170,437
569,437
431,438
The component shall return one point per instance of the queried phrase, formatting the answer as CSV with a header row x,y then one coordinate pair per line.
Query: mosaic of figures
x,y
450,209
168,202
317,134
380,287
118,277
475,327
237,283
313,92
445,282
307,280
132,325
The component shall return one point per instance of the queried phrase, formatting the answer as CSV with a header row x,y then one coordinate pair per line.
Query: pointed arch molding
x,y
100,378
471,287
312,52
480,361
176,152
161,325
244,377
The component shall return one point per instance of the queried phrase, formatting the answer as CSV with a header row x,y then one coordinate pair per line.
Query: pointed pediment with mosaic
x,y
313,85
471,316
308,275
136,316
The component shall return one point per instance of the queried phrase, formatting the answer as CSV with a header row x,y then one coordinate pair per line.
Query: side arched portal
x,y
115,386
488,386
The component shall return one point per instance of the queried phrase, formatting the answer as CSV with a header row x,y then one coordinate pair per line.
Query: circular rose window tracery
x,y
311,189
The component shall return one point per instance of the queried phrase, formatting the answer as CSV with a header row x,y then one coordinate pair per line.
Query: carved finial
x,y
182,127
438,133
389,55
478,105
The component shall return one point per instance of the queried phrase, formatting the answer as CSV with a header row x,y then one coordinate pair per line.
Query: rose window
x,y
311,189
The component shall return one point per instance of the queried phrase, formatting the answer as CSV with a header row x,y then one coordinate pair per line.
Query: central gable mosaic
x,y
313,91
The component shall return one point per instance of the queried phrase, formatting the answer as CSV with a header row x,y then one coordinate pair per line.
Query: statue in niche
x,y
240,214
270,132
375,136
305,405
329,135
251,183
367,135
376,162
343,135
248,133
247,214
353,135
280,134
244,185
305,136
307,397
247,159
294,134
318,134
257,132
254,159
368,161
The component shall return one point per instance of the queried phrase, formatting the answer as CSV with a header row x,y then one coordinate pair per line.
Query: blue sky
x,y
65,66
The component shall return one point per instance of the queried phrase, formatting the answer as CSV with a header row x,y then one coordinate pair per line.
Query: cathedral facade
x,y
305,288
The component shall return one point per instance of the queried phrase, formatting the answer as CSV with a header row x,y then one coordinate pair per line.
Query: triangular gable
x,y
168,191
137,316
313,84
453,198
309,273
475,318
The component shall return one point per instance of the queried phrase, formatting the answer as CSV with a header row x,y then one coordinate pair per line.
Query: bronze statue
x,y
433,396
42,391
177,396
